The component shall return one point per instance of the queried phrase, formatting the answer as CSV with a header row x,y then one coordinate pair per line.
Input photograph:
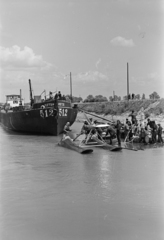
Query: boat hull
x,y
68,143
47,121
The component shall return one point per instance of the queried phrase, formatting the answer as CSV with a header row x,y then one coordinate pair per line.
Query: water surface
x,y
49,192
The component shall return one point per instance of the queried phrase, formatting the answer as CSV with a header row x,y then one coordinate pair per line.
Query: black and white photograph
x,y
81,119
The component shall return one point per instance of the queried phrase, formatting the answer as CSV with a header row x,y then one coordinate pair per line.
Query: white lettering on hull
x,y
63,112
49,112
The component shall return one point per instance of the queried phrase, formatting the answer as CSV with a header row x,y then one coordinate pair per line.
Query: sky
x,y
45,40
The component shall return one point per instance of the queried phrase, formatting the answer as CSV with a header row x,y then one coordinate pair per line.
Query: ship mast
x,y
20,103
31,99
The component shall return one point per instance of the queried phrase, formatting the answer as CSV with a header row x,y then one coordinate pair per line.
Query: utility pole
x,y
127,81
70,86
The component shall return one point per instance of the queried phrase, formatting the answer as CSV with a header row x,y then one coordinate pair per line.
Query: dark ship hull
x,y
46,118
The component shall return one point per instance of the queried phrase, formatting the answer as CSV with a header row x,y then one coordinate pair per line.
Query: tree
x,y
90,98
77,99
143,96
154,95
100,98
111,98
105,99
117,98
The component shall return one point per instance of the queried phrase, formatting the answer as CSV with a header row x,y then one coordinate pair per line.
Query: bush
x,y
126,104
121,110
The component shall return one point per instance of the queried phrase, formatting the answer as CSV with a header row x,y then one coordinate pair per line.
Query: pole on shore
x,y
94,115
127,81
70,86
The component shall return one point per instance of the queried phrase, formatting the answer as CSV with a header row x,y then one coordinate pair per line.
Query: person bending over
x,y
66,129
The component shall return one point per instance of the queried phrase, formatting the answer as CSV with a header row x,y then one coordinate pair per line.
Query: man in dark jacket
x,y
149,123
159,131
118,132
111,131
154,132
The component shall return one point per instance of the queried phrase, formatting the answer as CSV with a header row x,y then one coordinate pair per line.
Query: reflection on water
x,y
49,192
106,170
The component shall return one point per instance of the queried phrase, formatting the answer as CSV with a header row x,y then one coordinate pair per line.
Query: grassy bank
x,y
155,107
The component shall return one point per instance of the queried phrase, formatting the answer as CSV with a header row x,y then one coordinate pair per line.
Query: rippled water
x,y
49,192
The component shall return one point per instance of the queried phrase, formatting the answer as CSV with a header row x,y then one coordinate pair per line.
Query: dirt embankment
x,y
116,108
153,109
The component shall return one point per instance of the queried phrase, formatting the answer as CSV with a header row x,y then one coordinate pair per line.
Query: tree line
x,y
100,98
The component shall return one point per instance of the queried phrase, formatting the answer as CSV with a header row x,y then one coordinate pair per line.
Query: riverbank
x,y
155,106
122,117
153,109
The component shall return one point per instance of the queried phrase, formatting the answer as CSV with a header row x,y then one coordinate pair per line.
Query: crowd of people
x,y
58,96
90,129
130,131
146,132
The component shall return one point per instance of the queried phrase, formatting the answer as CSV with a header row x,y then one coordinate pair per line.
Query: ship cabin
x,y
14,100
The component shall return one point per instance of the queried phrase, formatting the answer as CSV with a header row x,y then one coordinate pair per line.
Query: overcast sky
x,y
45,40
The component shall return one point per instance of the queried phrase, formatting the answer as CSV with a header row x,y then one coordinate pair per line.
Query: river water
x,y
51,193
